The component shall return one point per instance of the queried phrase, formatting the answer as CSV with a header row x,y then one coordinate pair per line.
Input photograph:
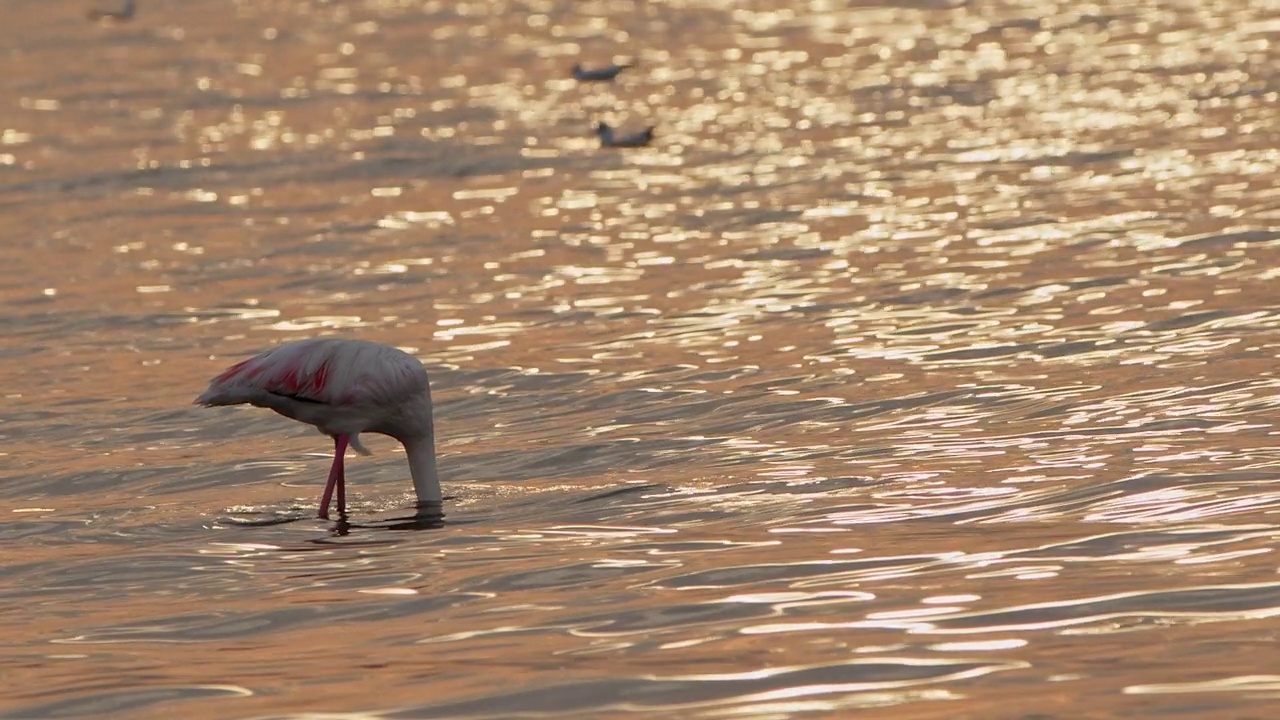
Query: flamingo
x,y
343,388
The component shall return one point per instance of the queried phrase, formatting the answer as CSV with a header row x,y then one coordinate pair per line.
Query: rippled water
x,y
926,362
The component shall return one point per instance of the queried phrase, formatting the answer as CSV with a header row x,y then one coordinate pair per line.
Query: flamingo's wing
x,y
324,370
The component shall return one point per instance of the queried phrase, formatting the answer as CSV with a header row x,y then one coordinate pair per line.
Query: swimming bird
x,y
608,72
124,13
609,139
343,388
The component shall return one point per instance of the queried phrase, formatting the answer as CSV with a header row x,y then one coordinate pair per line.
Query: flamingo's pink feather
x,y
326,370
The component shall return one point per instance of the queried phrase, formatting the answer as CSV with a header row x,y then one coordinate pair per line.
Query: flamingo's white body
x,y
343,388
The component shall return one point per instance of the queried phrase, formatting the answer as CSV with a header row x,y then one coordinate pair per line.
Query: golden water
x,y
925,363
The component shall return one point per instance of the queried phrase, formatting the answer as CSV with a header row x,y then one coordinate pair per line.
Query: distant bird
x,y
124,13
343,388
609,139
608,72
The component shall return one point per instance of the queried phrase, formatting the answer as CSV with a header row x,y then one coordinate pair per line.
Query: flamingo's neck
x,y
422,467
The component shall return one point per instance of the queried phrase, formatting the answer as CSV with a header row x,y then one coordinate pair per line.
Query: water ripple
x,y
927,353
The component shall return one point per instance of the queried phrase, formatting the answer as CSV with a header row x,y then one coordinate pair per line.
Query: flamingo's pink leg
x,y
337,478
342,484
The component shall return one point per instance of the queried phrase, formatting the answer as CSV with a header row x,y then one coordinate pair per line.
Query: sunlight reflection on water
x,y
925,357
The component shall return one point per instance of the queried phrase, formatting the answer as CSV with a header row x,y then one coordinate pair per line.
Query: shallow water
x,y
924,363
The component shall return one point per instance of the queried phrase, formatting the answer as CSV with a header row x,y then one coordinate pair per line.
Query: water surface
x,y
924,364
